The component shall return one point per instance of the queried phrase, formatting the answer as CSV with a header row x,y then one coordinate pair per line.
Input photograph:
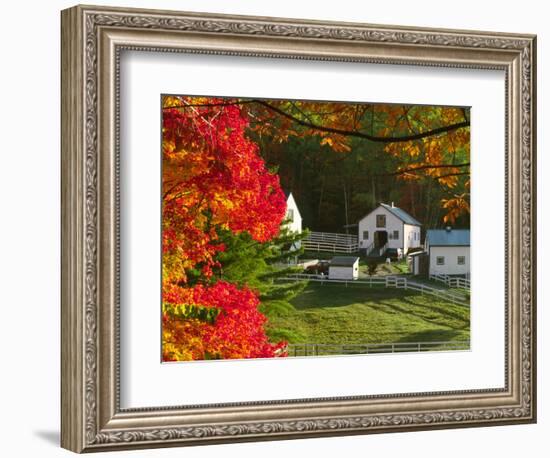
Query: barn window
x,y
461,260
395,235
290,214
440,260
365,235
380,220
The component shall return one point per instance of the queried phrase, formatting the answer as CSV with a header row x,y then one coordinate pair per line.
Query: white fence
x,y
388,281
452,281
315,349
331,242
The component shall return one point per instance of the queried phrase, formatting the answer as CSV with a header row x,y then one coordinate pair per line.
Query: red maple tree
x,y
213,179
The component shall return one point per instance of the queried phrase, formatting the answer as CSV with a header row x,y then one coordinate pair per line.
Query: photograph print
x,y
306,228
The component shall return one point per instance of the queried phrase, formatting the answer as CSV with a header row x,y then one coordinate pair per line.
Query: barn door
x,y
380,238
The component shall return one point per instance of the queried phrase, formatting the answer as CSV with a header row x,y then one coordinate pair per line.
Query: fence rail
x,y
388,281
332,242
452,281
369,249
373,250
332,237
316,349
331,247
382,249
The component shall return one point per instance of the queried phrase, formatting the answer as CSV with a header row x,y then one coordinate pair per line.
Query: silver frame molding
x,y
92,40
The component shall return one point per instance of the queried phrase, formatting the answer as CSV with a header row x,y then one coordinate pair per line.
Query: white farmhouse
x,y
293,216
344,268
448,251
388,226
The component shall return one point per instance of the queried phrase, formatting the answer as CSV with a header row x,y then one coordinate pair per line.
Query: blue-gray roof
x,y
401,214
344,261
452,237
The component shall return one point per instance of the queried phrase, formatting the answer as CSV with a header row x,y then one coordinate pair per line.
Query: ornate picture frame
x,y
92,41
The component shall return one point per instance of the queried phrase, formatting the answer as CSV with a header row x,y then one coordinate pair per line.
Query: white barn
x,y
293,223
293,216
344,268
386,227
448,251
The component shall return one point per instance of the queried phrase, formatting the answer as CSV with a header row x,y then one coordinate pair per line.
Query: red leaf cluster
x,y
237,333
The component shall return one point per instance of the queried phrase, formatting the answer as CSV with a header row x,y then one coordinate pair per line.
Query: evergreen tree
x,y
263,266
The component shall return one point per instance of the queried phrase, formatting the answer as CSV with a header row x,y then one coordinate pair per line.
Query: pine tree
x,y
263,266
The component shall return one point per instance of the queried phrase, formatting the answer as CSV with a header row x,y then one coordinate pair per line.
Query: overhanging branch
x,y
373,138
425,167
335,130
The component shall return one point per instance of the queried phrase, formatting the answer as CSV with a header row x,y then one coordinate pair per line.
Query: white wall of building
x,y
405,232
344,272
294,223
368,223
450,254
292,211
411,237
414,264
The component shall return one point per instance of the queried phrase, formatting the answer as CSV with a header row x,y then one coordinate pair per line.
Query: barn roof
x,y
401,214
344,261
448,237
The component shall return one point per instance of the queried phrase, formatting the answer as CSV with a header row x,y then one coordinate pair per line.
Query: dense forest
x,y
338,175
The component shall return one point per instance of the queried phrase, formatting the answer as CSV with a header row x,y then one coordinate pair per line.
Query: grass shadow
x,y
338,295
437,311
431,335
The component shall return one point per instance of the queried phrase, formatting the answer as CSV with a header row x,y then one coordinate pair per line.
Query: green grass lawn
x,y
383,268
333,313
